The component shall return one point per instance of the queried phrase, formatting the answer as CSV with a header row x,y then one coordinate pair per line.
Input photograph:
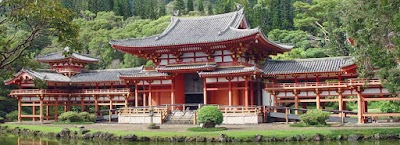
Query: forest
x,y
368,30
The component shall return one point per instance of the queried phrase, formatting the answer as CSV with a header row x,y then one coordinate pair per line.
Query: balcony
x,y
67,92
314,85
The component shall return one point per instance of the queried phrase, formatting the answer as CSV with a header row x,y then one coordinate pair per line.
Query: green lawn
x,y
231,133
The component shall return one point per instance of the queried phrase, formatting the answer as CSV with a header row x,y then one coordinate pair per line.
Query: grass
x,y
310,131
301,124
199,129
72,123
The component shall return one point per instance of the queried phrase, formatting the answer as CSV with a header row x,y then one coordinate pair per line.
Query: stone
x,y
318,137
201,139
87,136
83,131
223,138
64,133
258,138
80,126
130,137
143,138
354,137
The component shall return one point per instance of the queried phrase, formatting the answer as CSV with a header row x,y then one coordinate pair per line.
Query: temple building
x,y
209,60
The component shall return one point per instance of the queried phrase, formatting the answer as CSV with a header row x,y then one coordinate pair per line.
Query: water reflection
x,y
13,140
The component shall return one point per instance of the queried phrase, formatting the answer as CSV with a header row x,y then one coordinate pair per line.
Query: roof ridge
x,y
313,59
230,24
117,69
172,24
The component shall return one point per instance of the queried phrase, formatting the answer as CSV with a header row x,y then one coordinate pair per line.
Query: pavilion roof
x,y
313,65
230,71
144,74
108,75
196,67
59,56
196,30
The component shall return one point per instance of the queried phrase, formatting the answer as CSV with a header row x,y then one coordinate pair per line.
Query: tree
x,y
210,10
190,6
22,22
179,5
374,26
200,5
210,116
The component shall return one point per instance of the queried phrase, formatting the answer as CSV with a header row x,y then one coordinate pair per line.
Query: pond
x,y
8,139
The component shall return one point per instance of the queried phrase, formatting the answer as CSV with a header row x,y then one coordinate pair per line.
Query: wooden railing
x,y
60,91
351,82
159,110
192,62
241,109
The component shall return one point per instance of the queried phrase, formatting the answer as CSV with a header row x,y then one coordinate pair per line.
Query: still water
x,y
6,139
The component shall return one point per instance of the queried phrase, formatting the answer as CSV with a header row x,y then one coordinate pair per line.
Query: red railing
x,y
351,82
192,62
59,91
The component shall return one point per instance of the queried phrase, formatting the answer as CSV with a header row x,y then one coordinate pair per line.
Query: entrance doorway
x,y
193,90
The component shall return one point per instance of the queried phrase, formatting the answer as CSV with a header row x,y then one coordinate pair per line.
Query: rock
x,y
354,137
73,134
223,138
80,126
130,137
87,136
341,137
377,136
64,133
143,138
96,134
201,139
83,131
190,139
258,138
318,137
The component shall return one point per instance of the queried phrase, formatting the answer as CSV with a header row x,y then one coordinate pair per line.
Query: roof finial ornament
x,y
67,51
176,13
238,6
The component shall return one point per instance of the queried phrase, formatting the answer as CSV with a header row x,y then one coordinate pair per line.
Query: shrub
x,y
72,116
69,116
13,116
1,120
315,117
87,117
210,116
199,129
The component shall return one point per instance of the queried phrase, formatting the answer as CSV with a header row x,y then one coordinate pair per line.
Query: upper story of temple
x,y
192,44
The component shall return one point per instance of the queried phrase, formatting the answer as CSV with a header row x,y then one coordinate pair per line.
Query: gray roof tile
x,y
187,67
230,70
194,30
332,64
60,56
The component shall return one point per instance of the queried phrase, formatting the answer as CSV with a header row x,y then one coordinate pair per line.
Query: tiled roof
x,y
230,70
109,75
193,30
144,74
60,56
330,64
187,67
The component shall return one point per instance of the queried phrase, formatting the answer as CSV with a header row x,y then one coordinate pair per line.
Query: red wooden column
x,y
296,100
172,93
33,111
205,90
318,98
340,101
251,93
56,108
246,92
82,103
19,109
230,90
136,94
360,102
144,99
96,105
150,92
41,108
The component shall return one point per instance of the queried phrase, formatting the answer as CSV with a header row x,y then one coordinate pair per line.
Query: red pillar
x,y
246,92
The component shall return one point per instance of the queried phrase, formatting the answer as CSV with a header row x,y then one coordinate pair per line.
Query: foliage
x,y
210,114
87,117
179,5
39,83
1,120
315,117
199,129
302,124
13,116
389,106
22,22
72,116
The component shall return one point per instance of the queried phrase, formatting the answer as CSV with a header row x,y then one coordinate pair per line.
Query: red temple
x,y
199,60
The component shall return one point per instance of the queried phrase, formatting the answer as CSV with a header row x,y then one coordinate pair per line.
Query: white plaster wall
x,y
267,98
